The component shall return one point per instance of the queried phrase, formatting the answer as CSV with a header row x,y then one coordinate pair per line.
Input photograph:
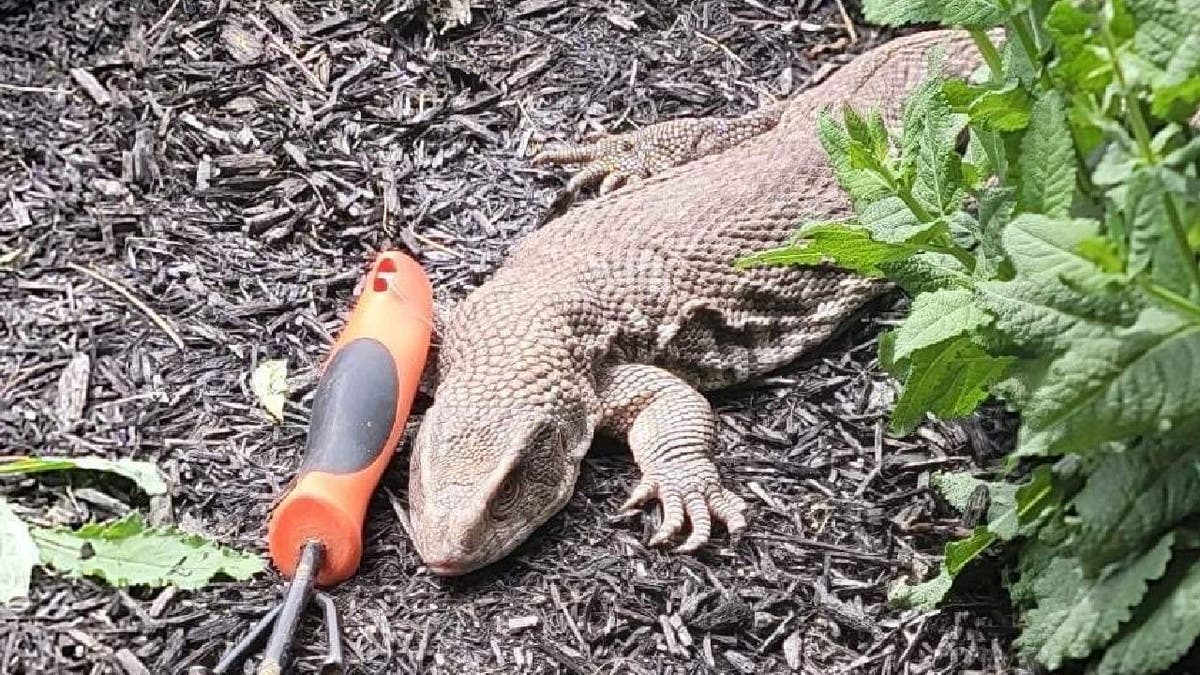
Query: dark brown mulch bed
x,y
233,165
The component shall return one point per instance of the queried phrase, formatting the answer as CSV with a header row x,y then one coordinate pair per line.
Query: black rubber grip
x,y
354,409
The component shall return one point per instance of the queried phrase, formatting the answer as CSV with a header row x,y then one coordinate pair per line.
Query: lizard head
x,y
481,481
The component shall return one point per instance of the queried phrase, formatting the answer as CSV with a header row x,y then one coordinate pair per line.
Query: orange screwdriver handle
x,y
360,407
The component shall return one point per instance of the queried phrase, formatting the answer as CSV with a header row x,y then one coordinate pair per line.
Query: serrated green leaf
x,y
890,220
964,13
1076,65
869,133
847,247
936,317
930,132
862,185
999,109
1151,243
126,552
1047,247
999,150
146,475
957,487
949,379
924,272
1029,501
963,551
996,206
1163,27
1140,379
1011,505
1115,167
1074,615
1016,63
1179,157
925,595
1047,162
1132,497
964,229
1176,101
1045,316
1164,627
269,382
1005,109
18,555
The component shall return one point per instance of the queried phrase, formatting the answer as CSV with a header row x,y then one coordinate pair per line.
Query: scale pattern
x,y
613,317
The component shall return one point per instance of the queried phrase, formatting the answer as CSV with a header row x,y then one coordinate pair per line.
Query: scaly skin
x,y
614,317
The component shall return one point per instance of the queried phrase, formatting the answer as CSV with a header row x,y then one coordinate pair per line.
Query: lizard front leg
x,y
631,156
671,430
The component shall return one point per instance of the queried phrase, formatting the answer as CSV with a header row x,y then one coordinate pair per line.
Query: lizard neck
x,y
525,344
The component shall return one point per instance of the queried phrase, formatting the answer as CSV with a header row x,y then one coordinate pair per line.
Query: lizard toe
x,y
588,176
697,510
672,522
645,490
730,509
613,181
568,154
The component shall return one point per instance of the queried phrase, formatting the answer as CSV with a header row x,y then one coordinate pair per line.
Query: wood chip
x,y
91,85
73,391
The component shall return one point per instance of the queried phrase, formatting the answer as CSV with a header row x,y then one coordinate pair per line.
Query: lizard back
x,y
654,262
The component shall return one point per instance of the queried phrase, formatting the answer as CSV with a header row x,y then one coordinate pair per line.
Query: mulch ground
x,y
188,188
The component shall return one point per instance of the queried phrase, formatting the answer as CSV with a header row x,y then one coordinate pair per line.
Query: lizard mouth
x,y
447,568
448,561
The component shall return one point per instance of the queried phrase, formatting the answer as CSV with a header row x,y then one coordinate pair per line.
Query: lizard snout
x,y
447,562
448,545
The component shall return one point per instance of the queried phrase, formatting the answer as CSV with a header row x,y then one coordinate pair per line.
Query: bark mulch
x,y
190,187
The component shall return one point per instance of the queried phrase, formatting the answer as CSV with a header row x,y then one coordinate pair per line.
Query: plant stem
x,y
904,193
1181,238
918,210
1171,299
961,254
990,54
1020,25
1133,111
1141,132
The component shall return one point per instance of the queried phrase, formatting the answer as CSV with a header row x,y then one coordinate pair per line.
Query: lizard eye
x,y
506,496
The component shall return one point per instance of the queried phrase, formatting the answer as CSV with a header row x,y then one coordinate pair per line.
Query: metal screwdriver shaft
x,y
298,594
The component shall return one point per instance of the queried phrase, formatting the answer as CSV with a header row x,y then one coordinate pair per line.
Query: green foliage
x,y
948,378
967,13
1046,164
126,552
936,317
1076,614
123,552
1052,264
1165,626
1136,495
146,475
18,555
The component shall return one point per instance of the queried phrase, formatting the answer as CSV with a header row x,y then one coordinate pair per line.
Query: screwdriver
x,y
361,405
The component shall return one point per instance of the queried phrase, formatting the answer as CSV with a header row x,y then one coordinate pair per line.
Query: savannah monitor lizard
x,y
615,316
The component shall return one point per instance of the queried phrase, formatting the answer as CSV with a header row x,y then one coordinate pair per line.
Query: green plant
x,y
1052,265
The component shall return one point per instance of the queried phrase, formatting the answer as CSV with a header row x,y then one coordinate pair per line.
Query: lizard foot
x,y
693,491
671,430
632,156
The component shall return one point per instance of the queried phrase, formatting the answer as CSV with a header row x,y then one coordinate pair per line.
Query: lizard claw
x,y
697,502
